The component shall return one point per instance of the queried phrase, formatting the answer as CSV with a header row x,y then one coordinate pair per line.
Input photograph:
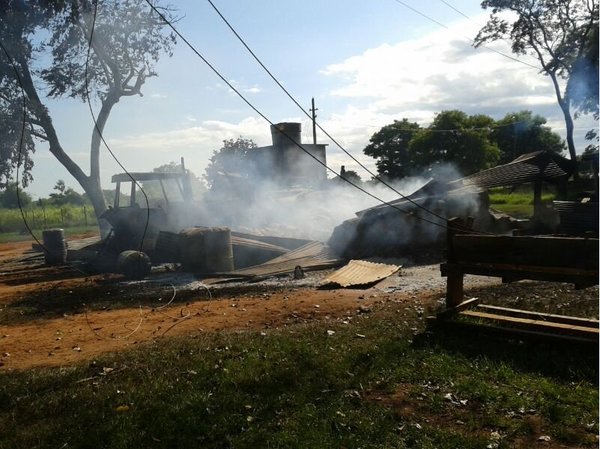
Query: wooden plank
x,y
534,324
564,319
514,272
459,308
575,252
508,332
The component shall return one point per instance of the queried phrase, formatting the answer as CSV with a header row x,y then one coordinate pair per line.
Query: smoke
x,y
292,198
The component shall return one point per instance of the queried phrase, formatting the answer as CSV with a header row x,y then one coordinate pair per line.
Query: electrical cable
x,y
290,96
464,37
255,109
87,95
453,8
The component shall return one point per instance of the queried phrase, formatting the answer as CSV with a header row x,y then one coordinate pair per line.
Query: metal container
x,y
134,264
286,134
54,246
206,250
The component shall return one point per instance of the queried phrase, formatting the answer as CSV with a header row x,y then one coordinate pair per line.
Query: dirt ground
x,y
56,316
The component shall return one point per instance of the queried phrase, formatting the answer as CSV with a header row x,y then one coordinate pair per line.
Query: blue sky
x,y
365,63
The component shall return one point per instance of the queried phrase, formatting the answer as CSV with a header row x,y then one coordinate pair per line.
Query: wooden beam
x,y
564,319
458,308
538,325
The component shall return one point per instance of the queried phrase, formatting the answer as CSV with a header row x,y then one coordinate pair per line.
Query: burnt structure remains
x,y
288,162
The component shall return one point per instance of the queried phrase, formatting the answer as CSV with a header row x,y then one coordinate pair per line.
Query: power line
x,y
453,8
422,14
255,109
290,96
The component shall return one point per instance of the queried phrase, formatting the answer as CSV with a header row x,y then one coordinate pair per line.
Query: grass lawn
x,y
371,383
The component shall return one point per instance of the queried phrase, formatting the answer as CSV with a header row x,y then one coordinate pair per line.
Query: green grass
x,y
303,388
518,203
38,218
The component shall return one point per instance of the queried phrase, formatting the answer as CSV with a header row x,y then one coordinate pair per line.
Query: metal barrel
x,y
54,246
206,250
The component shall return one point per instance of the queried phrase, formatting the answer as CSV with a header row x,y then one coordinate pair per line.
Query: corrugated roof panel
x,y
361,272
312,256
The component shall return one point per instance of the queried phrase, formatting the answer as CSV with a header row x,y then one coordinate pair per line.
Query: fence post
x,y
62,216
44,215
454,282
85,216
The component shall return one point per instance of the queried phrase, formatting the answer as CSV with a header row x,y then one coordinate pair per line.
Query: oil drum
x,y
54,246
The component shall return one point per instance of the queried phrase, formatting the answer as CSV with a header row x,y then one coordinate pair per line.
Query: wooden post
x,y
454,281
314,121
85,216
537,199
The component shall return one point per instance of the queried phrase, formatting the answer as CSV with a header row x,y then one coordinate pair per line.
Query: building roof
x,y
530,167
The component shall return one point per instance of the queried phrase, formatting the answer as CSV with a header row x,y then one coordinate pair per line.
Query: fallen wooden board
x,y
451,311
577,321
473,328
535,325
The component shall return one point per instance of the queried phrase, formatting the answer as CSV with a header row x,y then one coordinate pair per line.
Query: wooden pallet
x,y
470,314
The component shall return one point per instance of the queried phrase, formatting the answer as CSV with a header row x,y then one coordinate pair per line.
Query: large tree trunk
x,y
564,106
90,184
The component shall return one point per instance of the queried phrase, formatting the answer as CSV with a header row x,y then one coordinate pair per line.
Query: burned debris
x,y
156,220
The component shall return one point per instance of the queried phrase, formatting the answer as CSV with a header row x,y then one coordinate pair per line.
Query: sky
x,y
366,64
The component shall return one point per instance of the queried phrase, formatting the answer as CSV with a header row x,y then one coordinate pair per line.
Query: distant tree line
x,y
469,142
62,196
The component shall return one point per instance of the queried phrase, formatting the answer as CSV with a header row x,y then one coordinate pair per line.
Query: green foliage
x,y
560,34
468,146
522,132
49,55
46,216
582,88
66,195
229,161
349,175
9,198
470,143
390,147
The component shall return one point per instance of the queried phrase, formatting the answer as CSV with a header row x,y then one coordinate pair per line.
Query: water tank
x,y
206,250
286,134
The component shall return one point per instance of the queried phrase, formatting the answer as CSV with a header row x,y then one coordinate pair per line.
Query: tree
x,y
66,195
346,177
556,32
47,53
8,197
229,162
522,132
456,138
389,146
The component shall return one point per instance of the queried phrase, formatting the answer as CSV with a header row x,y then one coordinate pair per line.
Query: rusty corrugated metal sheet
x,y
361,272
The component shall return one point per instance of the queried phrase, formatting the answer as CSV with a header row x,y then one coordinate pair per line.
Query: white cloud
x,y
440,71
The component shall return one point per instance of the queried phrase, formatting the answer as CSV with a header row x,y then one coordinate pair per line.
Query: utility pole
x,y
314,120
